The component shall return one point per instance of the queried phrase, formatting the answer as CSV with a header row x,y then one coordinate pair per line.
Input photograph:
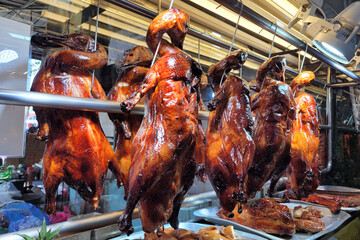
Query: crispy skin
x,y
303,171
77,151
265,215
230,147
332,204
274,110
162,164
137,61
346,201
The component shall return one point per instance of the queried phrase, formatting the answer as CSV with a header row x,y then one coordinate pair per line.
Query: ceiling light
x,y
339,41
8,55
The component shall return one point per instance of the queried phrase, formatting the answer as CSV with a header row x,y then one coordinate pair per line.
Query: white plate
x,y
195,227
331,221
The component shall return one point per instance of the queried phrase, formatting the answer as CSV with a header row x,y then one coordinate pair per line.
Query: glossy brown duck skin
x,y
229,147
274,109
265,215
77,151
302,172
162,167
137,63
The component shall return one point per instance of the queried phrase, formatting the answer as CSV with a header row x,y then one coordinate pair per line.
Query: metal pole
x,y
259,20
329,117
25,98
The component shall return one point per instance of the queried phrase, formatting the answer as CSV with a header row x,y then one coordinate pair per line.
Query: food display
x,y
229,146
162,165
135,64
303,171
274,111
77,151
265,215
307,219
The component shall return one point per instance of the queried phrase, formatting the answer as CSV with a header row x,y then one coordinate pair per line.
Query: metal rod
x,y
342,85
329,117
25,98
259,20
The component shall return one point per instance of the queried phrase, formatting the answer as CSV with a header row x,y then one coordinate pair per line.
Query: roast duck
x,y
274,111
230,147
303,169
135,65
162,164
264,214
77,151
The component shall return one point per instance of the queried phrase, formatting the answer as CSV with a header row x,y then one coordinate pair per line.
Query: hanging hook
x,y
302,63
158,46
233,39
272,44
95,39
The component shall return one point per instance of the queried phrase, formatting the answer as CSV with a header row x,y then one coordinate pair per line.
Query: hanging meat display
x,y
77,151
303,169
274,110
135,64
162,164
230,147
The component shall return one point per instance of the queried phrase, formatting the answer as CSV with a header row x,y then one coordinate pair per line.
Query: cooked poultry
x,y
162,164
229,147
137,63
332,204
265,215
274,109
302,171
206,233
308,219
77,151
303,212
352,200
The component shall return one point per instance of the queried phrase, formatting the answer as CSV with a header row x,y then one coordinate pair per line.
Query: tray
x,y
331,221
195,227
337,190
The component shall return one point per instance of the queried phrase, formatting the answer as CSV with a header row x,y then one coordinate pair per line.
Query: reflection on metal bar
x,y
25,98
343,85
329,117
259,20
321,126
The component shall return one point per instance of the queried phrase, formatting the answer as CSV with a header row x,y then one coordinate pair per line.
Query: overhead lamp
x,y
335,38
340,41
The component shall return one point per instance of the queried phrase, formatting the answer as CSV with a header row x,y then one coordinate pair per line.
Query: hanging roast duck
x,y
135,64
303,169
230,147
274,110
162,163
77,151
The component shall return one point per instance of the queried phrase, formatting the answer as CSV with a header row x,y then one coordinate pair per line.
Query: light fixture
x,y
339,41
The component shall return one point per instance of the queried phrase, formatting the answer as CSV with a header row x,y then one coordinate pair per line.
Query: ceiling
x,y
120,29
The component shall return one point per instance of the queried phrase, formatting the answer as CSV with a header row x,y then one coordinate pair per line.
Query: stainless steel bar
x,y
25,98
342,85
259,20
321,126
329,117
